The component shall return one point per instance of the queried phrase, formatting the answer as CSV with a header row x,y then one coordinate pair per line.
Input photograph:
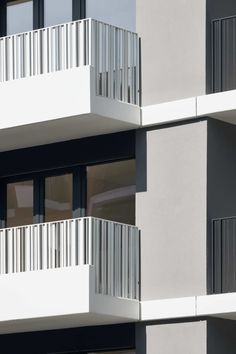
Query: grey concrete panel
x,y
221,169
172,213
140,338
221,176
221,337
173,48
141,161
175,338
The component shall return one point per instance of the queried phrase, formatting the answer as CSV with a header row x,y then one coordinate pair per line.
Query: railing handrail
x,y
112,248
67,23
223,218
223,18
64,220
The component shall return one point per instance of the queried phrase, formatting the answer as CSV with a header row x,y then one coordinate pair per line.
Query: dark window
x,y
105,191
19,16
20,203
111,191
57,11
68,175
116,352
58,197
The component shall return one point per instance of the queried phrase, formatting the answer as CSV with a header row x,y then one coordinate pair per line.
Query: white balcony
x,y
67,81
68,273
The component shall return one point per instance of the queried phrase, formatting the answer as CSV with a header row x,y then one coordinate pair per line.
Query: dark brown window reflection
x,y
58,197
111,191
20,203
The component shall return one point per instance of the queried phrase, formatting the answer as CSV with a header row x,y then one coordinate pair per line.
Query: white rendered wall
x,y
173,43
176,338
120,13
171,211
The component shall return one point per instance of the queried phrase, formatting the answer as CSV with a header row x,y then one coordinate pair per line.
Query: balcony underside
x,y
57,107
58,298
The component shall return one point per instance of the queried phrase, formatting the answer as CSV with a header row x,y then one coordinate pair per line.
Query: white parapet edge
x,y
168,308
220,305
169,112
59,298
216,103
220,105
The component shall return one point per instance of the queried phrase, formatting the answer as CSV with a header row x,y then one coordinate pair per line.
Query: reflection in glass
x,y
57,12
20,203
111,191
120,13
19,16
58,197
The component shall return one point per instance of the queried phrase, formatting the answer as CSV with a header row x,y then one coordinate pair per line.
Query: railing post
x,y
90,45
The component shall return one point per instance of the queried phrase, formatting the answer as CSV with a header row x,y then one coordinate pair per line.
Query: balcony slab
x,y
219,305
168,308
220,105
58,298
57,107
169,112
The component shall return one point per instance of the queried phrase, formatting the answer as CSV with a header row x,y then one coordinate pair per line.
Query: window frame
x,y
78,192
78,13
59,158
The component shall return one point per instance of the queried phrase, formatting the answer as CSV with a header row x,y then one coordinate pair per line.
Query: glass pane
x,y
111,191
19,16
20,203
121,13
57,11
58,197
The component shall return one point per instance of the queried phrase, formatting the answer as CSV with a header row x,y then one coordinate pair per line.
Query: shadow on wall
x,y
141,161
140,339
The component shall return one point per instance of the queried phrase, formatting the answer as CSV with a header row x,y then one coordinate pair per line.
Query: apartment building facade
x,y
117,178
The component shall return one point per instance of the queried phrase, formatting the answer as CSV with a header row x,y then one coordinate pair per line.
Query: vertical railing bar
x,y
112,248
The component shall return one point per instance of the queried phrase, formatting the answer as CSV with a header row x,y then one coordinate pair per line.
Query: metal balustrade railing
x,y
112,51
223,255
223,55
112,248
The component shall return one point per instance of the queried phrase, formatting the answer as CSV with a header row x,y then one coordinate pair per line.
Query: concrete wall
x,y
174,338
173,48
171,210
